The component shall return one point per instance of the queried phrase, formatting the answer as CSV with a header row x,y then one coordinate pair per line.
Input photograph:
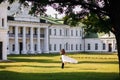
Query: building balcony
x,y
12,35
42,35
20,35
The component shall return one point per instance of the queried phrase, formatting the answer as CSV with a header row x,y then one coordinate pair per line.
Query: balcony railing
x,y
11,35
27,35
20,35
42,35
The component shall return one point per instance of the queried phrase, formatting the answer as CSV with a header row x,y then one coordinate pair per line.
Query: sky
x,y
52,12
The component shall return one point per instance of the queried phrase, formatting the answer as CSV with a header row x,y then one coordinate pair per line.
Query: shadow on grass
x,y
8,75
5,66
31,55
58,61
26,58
34,60
99,62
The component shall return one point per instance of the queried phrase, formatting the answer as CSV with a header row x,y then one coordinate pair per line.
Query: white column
x,y
38,41
47,40
16,40
24,41
31,41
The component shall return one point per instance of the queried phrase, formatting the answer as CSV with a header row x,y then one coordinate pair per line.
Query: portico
x,y
28,38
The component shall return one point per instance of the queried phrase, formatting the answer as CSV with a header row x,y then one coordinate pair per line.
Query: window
x,y
28,30
89,47
50,47
54,31
13,47
2,22
71,32
60,32
96,46
54,47
35,31
42,21
49,31
80,47
28,46
21,30
76,33
80,33
60,46
104,46
76,47
13,30
66,46
66,32
35,47
71,46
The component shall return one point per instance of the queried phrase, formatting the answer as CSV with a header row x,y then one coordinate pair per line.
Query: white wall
x,y
65,40
3,29
93,41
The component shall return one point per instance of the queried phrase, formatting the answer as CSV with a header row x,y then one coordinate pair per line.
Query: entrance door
x,y
21,47
109,47
0,50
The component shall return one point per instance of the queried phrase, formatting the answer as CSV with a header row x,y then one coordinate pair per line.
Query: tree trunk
x,y
117,35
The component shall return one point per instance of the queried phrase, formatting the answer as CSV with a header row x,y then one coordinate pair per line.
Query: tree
x,y
98,15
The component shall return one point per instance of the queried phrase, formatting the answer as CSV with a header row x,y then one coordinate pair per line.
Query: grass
x,y
48,67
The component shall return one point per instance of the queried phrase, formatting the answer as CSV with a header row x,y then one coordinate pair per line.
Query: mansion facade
x,y
25,34
37,38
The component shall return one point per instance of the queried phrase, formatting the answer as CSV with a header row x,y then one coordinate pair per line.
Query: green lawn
x,y
48,67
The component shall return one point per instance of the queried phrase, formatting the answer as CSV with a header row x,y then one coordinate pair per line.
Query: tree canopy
x,y
96,14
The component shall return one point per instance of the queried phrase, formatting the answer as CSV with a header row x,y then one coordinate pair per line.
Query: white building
x,y
35,37
22,33
100,43
3,31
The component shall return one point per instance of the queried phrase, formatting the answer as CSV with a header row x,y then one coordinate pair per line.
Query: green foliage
x,y
70,20
94,24
92,21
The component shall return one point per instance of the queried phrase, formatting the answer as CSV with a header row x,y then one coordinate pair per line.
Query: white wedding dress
x,y
68,59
